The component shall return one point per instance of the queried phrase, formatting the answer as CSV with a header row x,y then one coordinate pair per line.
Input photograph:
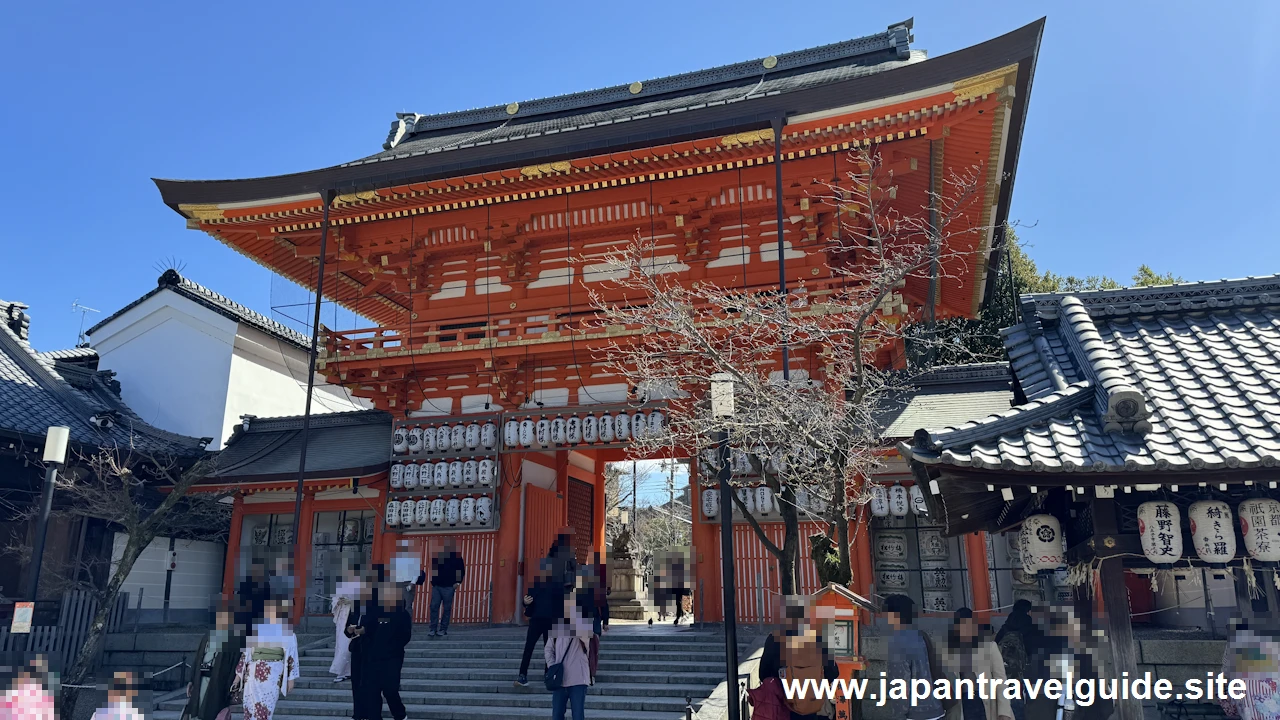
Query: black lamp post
x,y
55,456
722,409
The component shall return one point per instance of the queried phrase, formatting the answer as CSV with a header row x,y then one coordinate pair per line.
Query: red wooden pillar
x,y
232,563
562,486
975,550
597,541
706,556
303,526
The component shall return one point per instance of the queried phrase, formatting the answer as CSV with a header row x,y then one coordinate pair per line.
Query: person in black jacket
x,y
379,631
252,594
543,605
447,573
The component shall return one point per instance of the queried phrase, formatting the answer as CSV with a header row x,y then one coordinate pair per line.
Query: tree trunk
x,y
841,502
790,542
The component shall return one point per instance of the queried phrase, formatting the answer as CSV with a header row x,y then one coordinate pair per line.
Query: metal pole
x,y
327,198
42,530
782,255
726,572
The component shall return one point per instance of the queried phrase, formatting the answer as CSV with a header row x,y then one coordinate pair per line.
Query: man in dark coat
x,y
252,594
379,630
543,605
213,669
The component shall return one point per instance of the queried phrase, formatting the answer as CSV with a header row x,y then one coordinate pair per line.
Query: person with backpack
x,y
794,652
911,656
970,654
567,654
1016,639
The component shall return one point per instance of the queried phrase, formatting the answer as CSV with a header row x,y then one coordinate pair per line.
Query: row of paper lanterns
x,y
459,473
454,511
897,500
1160,527
761,501
774,462
529,433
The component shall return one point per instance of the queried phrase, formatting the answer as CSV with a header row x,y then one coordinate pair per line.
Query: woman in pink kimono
x,y
269,665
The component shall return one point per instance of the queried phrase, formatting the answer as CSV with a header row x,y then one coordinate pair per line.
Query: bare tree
x,y
143,495
811,438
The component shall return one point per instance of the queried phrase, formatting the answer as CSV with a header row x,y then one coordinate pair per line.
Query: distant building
x,y
192,361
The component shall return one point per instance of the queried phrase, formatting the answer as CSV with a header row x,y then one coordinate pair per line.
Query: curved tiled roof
x,y
1199,361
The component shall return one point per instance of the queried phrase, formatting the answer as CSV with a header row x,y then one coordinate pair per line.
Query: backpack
x,y
1014,653
802,658
768,701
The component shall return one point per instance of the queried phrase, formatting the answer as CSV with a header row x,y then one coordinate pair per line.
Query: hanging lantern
x,y
1260,525
467,510
656,423
1043,546
470,469
891,545
440,474
899,503
400,440
458,438
442,438
452,509
891,576
935,576
484,510
1213,532
817,504
429,441
573,430
558,436
397,476
455,473
606,428
511,433
917,501
639,426
741,463
527,432
802,500
421,511
622,427
590,429
406,512
484,473
879,501
488,436
473,436
938,601
410,476
748,499
415,440
436,513
542,432
1160,525
710,503
393,512
764,500
933,546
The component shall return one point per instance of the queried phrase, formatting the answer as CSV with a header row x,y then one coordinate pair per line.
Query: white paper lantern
x,y
440,474
452,510
899,503
748,499
606,428
590,429
397,476
484,473
657,423
817,504
470,472
1044,547
879,501
400,440
741,462
710,503
393,512
891,545
467,510
410,476
764,500
933,546
1160,525
917,501
429,443
406,512
639,426
802,500
442,438
415,440
935,576
473,436
1213,532
1260,526
455,473
938,601
557,431
511,433
573,430
436,513
484,510
891,576
527,432
458,438
421,511
488,436
542,432
622,427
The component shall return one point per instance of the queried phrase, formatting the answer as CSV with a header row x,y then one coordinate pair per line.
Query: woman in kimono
x,y
344,598
269,664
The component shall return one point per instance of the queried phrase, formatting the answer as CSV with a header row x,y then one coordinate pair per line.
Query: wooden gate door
x,y
582,517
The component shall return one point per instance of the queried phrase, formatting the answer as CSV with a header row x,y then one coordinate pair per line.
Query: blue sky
x,y
1147,139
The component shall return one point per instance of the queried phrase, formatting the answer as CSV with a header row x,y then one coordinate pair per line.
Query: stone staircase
x,y
645,673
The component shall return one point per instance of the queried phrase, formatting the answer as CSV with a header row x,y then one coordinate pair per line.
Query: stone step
x,y
705,676
531,697
459,653
328,711
505,686
606,663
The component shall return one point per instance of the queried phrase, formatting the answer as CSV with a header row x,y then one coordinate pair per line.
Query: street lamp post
x,y
55,455
722,409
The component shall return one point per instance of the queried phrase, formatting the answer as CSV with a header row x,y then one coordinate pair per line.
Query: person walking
x,y
379,631
447,572
121,693
344,598
214,668
970,654
567,645
252,594
269,664
543,604
1017,639
911,657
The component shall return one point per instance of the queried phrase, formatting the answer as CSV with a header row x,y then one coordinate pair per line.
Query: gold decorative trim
x,y
635,87
201,211
985,84
770,62
545,169
513,108
747,138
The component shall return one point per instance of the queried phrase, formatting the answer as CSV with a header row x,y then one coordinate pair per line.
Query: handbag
x,y
554,677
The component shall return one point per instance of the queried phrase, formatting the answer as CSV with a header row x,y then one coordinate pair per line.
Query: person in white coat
x,y
344,598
